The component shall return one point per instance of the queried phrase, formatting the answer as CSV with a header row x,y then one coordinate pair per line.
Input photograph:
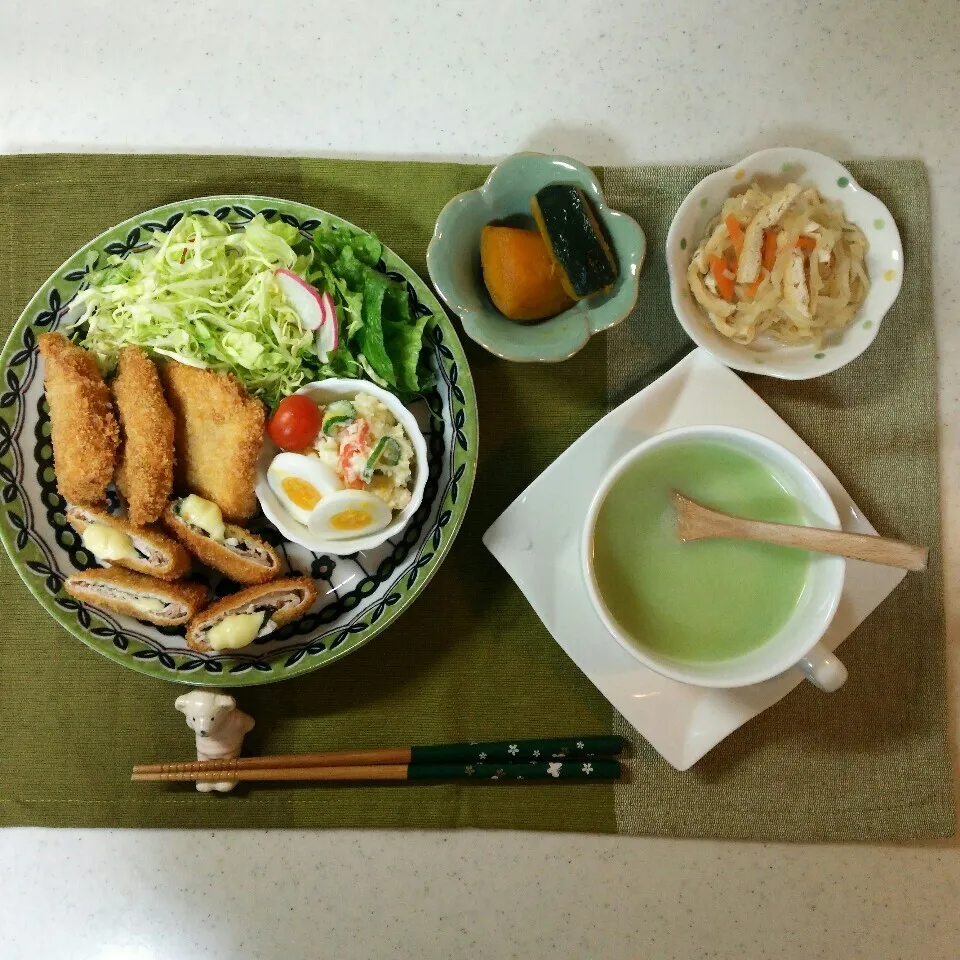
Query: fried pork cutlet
x,y
237,620
219,430
145,470
83,428
235,552
119,543
139,596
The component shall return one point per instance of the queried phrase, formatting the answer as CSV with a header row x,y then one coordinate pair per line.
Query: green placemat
x,y
470,660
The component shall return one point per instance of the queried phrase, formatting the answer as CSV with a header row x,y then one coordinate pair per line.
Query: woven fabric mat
x,y
470,660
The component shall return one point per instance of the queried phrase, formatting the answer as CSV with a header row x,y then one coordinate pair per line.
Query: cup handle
x,y
823,669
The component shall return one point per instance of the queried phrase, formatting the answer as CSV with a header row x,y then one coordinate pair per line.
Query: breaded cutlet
x,y
285,600
241,555
219,430
137,595
145,469
83,429
156,554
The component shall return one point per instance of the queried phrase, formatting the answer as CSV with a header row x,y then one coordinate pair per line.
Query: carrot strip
x,y
807,243
751,290
769,248
718,267
736,233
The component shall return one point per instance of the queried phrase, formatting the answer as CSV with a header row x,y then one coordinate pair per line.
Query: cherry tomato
x,y
295,423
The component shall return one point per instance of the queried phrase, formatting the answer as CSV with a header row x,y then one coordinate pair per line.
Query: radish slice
x,y
328,336
304,299
316,311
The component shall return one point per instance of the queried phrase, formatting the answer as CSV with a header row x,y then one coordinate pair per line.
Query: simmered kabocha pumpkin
x,y
523,281
575,240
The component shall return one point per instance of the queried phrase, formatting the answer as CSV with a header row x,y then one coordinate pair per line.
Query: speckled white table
x,y
610,83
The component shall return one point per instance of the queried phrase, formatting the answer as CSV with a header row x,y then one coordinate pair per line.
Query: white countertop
x,y
609,83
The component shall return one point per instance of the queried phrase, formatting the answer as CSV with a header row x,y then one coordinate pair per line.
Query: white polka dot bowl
x,y
774,168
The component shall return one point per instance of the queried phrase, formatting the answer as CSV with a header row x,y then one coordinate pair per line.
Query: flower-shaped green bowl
x,y
453,260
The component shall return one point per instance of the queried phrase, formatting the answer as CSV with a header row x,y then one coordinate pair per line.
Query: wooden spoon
x,y
697,522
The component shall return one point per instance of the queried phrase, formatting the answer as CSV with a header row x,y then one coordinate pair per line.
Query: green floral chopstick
x,y
581,768
515,751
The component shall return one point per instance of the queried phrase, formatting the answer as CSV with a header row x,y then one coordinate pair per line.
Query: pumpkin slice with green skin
x,y
575,240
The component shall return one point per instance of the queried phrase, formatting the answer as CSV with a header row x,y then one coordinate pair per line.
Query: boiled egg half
x,y
301,484
348,514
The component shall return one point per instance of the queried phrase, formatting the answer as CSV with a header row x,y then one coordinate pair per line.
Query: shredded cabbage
x,y
205,295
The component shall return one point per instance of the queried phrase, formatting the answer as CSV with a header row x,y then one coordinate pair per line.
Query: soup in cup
x,y
718,612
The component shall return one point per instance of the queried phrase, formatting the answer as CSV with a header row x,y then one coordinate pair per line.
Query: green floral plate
x,y
360,595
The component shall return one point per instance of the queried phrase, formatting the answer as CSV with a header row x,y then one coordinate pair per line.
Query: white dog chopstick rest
x,y
219,727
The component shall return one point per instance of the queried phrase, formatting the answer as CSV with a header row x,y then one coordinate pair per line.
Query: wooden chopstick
x,y
500,751
396,756
579,769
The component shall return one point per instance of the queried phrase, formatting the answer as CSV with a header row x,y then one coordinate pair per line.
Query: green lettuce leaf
x,y
404,343
377,326
331,244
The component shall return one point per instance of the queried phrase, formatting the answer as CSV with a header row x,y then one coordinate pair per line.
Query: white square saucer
x,y
537,538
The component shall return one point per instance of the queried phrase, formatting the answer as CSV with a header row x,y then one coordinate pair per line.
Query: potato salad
x,y
352,476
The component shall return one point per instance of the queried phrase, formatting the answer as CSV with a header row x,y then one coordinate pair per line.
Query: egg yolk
x,y
351,520
302,494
